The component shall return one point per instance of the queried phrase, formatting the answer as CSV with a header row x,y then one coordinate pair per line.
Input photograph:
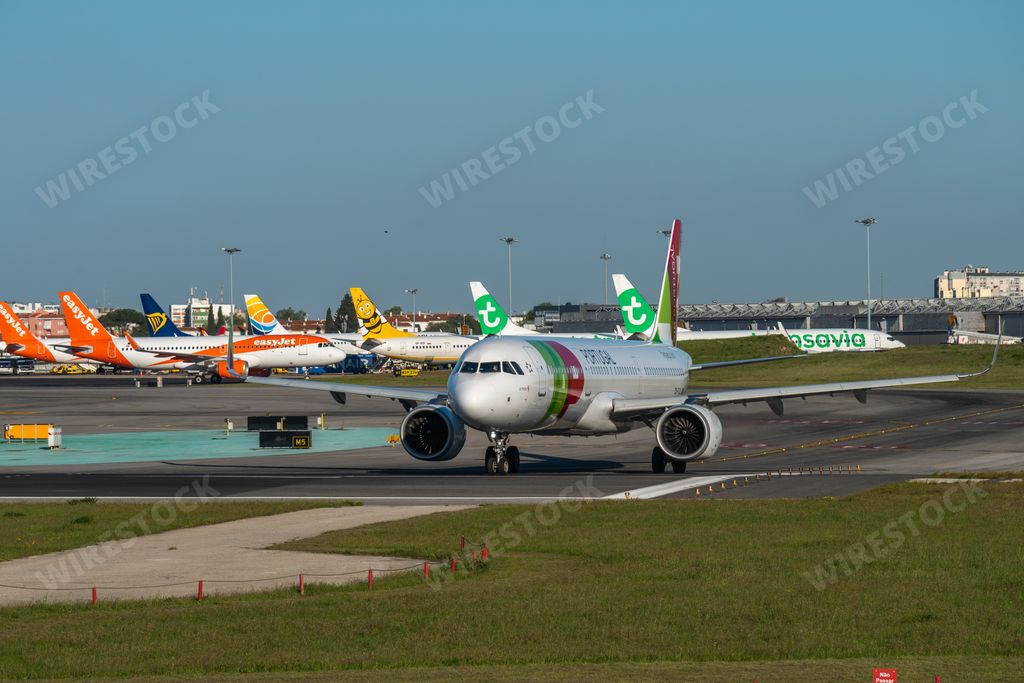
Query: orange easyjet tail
x,y
89,339
83,328
18,339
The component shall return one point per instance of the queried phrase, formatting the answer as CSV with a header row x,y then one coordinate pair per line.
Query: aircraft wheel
x,y
513,458
491,462
216,379
199,379
505,466
657,461
679,466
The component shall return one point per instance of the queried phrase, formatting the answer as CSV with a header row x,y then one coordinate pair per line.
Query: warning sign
x,y
883,676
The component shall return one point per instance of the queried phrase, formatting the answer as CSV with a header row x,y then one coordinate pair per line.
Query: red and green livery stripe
x,y
567,372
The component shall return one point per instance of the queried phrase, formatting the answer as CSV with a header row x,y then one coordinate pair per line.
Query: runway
x,y
897,435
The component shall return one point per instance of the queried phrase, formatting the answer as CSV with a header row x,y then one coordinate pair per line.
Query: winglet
x,y
992,363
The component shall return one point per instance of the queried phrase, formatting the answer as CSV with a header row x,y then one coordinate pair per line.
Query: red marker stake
x,y
426,571
200,594
370,579
94,596
302,584
484,557
453,565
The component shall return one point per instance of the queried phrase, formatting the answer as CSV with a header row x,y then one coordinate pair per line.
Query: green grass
x,y
37,528
979,475
830,367
691,590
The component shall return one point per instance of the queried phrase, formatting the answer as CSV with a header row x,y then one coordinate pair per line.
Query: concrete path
x,y
218,554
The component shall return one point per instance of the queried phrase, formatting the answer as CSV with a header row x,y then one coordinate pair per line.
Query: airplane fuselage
x,y
440,348
560,386
259,351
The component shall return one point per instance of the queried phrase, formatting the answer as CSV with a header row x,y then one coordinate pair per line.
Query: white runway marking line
x,y
659,490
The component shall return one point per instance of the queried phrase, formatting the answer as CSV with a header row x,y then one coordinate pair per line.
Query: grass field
x,y
828,367
688,590
38,528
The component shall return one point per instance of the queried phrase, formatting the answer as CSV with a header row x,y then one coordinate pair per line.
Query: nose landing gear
x,y
501,458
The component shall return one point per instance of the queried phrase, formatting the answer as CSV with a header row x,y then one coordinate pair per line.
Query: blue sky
x,y
333,115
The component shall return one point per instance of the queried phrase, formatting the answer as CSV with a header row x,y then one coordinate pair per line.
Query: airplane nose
x,y
471,400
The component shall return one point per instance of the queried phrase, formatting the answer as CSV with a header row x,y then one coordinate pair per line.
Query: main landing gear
x,y
501,458
659,460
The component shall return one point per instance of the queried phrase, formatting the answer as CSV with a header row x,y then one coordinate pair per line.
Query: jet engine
x,y
432,432
239,369
689,432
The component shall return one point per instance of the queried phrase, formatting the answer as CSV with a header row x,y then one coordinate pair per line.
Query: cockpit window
x,y
507,368
515,366
469,366
492,366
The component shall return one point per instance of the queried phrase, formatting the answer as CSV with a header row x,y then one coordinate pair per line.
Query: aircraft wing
x,y
69,348
640,407
403,394
745,361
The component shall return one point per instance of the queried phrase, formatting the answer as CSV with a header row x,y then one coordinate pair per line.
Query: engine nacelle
x,y
239,369
689,432
432,432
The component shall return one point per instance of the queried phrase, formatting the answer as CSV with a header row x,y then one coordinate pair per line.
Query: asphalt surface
x,y
897,435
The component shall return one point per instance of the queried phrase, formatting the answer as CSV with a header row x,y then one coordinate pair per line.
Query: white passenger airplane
x,y
381,337
640,321
203,356
534,385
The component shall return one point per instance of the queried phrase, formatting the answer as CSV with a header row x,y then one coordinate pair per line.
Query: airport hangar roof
x,y
799,309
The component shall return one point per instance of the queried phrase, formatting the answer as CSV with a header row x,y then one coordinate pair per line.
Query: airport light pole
x,y
606,257
413,291
509,241
231,251
867,223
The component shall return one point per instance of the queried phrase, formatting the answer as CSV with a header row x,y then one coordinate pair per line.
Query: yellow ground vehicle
x,y
70,369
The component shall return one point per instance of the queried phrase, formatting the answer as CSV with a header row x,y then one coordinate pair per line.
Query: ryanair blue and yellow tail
x,y
157,322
